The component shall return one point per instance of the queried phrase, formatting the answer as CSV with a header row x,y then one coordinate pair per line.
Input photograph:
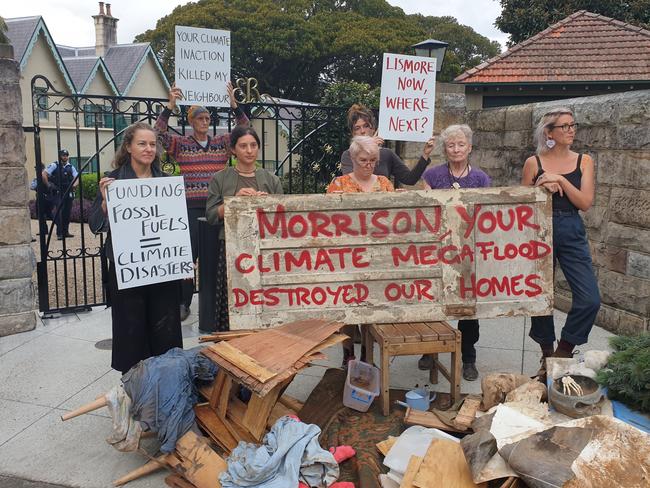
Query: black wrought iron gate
x,y
301,143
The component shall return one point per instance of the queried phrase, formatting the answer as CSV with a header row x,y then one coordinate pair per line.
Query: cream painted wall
x,y
148,83
99,85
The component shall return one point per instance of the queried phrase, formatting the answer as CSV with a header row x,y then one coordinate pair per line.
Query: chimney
x,y
105,30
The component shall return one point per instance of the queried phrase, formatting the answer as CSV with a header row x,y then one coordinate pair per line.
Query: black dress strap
x,y
579,160
540,170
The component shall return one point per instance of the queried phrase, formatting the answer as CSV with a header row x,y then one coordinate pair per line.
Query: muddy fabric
x,y
362,431
289,453
126,432
163,392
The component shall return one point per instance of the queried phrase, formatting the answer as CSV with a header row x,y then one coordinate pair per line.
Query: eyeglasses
x,y
566,127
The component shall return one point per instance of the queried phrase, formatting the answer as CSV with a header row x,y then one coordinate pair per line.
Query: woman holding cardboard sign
x,y
243,180
569,176
456,142
361,122
146,319
364,153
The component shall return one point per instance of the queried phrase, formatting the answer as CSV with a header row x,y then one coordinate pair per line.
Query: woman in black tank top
x,y
569,176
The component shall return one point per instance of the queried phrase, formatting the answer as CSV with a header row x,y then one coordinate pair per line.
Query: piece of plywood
x,y
444,464
385,445
242,361
215,427
200,464
411,472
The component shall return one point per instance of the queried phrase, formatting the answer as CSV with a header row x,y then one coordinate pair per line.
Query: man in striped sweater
x,y
199,157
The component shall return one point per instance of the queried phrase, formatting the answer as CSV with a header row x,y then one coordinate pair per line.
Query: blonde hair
x,y
363,144
548,119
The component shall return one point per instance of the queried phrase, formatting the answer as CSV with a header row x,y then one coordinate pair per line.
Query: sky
x,y
70,22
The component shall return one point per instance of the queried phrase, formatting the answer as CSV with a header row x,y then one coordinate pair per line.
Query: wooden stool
x,y
411,339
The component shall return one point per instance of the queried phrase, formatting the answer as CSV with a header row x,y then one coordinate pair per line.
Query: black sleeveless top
x,y
575,178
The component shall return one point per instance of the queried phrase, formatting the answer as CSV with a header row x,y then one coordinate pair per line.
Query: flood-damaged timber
x,y
389,257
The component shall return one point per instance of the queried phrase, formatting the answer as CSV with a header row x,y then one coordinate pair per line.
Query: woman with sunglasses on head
x,y
569,176
361,122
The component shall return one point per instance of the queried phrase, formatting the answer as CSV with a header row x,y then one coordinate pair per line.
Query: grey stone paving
x,y
56,368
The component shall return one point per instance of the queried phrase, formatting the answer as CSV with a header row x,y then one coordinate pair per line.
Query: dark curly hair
x,y
122,156
358,111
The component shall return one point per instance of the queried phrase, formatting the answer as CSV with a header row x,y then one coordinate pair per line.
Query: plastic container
x,y
361,385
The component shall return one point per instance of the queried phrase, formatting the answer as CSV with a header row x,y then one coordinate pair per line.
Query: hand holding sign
x,y
175,93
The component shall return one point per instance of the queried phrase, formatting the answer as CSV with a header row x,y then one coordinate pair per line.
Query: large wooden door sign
x,y
389,257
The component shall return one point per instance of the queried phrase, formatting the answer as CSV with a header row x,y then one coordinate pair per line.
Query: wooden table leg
x,y
369,343
433,372
455,368
385,379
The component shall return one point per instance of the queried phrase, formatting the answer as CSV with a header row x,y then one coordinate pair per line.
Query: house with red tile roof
x,y
584,54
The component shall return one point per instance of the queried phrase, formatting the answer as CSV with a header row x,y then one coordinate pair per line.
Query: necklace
x,y
455,180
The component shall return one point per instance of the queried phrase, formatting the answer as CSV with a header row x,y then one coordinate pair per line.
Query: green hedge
x,y
89,186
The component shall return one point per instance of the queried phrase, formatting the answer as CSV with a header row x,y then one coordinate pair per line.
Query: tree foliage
x,y
525,18
295,48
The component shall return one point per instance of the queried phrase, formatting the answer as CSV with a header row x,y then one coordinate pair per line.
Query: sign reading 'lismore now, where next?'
x,y
149,230
389,257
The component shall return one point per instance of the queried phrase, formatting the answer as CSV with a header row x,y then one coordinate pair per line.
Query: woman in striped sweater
x,y
199,156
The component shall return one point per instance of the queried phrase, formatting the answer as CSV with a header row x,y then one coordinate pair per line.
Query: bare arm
x,y
582,198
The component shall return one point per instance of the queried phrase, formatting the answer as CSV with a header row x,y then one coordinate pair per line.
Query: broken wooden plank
x,y
94,405
385,445
411,471
200,464
428,419
226,335
176,481
291,402
242,361
467,413
215,427
445,460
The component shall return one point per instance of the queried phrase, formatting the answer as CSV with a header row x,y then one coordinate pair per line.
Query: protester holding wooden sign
x,y
569,176
145,319
199,157
245,179
365,155
456,142
361,122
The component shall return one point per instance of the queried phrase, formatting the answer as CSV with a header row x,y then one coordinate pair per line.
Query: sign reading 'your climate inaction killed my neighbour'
x,y
408,95
202,59
149,230
389,257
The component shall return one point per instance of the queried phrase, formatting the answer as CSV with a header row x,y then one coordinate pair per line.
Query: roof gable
x,y
583,47
84,69
23,33
125,61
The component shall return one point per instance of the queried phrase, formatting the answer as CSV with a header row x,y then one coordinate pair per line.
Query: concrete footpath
x,y
57,368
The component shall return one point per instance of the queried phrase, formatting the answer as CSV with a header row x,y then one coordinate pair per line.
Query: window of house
x,y
40,94
79,163
97,116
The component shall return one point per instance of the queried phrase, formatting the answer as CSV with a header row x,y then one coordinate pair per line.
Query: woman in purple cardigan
x,y
455,173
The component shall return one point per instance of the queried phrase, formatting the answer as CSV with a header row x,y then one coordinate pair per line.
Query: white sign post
x,y
149,230
408,94
202,60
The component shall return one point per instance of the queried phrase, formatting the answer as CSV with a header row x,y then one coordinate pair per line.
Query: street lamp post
x,y
432,49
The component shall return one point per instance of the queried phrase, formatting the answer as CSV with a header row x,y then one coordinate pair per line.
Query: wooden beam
x,y
244,362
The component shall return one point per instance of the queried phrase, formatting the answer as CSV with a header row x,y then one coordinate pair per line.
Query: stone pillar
x,y
17,262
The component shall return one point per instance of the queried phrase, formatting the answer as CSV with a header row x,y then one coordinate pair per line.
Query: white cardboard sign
x,y
202,66
408,94
150,231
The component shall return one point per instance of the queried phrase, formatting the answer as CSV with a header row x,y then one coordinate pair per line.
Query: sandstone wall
x,y
615,131
17,262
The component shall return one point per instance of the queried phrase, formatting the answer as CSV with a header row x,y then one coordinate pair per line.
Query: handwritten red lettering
x,y
487,221
300,296
493,286
418,289
404,83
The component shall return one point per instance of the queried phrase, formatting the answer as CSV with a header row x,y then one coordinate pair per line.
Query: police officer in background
x,y
58,176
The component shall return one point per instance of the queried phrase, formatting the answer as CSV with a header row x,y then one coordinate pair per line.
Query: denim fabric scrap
x,y
289,453
163,391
